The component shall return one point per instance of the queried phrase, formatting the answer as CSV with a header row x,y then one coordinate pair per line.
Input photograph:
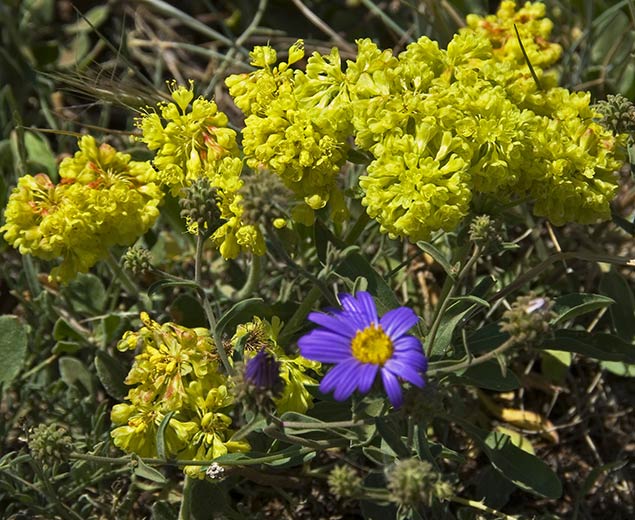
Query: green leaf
x,y
166,282
555,364
604,347
379,456
615,286
488,375
73,371
87,294
618,368
89,20
13,347
160,438
356,265
523,469
109,329
141,469
390,432
570,306
486,338
293,456
457,311
451,318
111,373
38,151
66,347
62,330
438,257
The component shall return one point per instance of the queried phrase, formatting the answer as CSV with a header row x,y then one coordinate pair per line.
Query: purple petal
x,y
404,370
391,385
333,323
324,346
360,309
338,374
366,377
346,386
406,343
413,358
398,321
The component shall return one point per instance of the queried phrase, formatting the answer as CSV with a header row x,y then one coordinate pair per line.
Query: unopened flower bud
x,y
263,372
50,444
413,481
528,319
199,207
618,114
485,233
344,482
137,260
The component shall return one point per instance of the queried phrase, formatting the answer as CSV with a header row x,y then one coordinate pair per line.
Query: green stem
x,y
236,45
386,19
184,510
218,341
253,279
39,367
180,462
172,12
198,258
326,425
207,306
474,361
128,283
449,290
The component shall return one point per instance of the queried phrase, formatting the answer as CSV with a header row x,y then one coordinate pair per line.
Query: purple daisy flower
x,y
361,345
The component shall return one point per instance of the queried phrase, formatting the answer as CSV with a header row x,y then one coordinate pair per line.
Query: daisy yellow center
x,y
372,345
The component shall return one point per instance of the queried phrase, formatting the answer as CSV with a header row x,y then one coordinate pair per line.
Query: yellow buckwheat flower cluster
x,y
193,142
103,199
291,128
445,128
447,125
176,371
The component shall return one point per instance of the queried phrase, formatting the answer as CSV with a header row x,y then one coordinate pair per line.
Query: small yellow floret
x,y
372,345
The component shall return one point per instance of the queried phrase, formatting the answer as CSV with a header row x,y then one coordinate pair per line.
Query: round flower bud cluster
x,y
258,338
412,482
50,445
195,142
176,370
137,260
199,207
344,482
103,199
617,113
527,321
441,126
485,233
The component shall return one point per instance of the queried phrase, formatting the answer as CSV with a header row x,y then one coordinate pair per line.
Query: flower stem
x,y
184,510
474,361
253,278
207,306
449,291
